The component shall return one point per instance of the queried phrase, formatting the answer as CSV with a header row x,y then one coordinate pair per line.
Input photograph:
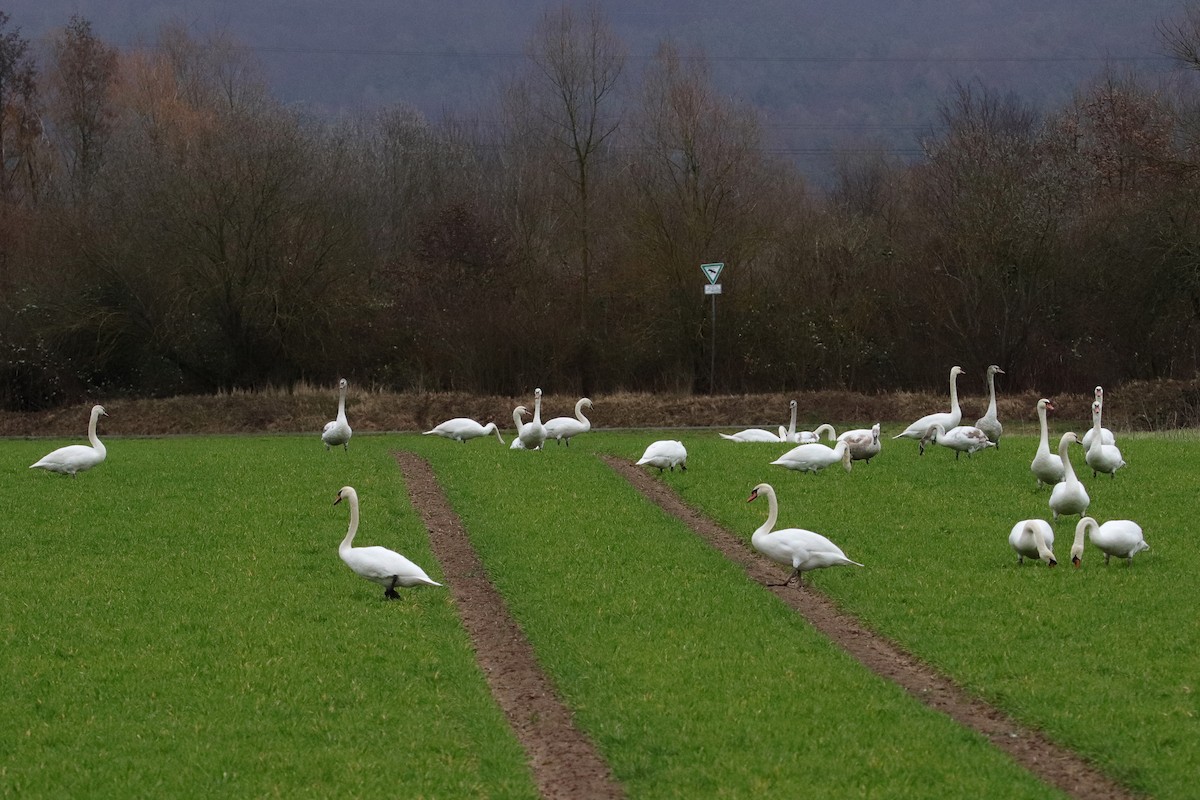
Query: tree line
x,y
168,227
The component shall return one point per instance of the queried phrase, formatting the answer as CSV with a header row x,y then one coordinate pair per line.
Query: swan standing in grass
x,y
1046,467
561,429
760,435
961,439
864,443
802,550
75,458
947,419
815,457
665,454
1117,537
383,566
1105,436
988,423
1033,538
532,434
1102,457
460,429
338,431
1068,497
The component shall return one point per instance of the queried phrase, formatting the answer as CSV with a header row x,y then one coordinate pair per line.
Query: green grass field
x,y
178,621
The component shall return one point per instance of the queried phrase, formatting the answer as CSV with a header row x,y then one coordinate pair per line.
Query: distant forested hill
x,y
823,75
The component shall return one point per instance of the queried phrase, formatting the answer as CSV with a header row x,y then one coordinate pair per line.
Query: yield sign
x,y
713,271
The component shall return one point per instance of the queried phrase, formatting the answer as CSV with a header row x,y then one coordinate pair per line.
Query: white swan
x,y
460,429
338,431
864,443
961,439
760,435
947,419
533,433
561,429
815,457
665,454
1117,537
1046,467
812,437
1106,436
76,458
755,435
385,567
1033,538
1070,496
988,423
1102,457
802,550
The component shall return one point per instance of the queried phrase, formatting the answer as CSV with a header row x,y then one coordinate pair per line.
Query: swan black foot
x,y
390,593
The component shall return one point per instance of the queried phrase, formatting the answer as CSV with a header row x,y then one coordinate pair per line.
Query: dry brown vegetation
x,y
1137,405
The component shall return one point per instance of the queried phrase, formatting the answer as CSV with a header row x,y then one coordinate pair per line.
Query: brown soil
x,y
565,763
1053,764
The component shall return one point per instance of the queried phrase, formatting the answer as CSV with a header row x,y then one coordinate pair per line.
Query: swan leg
x,y
795,574
390,593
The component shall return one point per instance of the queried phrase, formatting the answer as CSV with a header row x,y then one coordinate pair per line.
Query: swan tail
x,y
727,436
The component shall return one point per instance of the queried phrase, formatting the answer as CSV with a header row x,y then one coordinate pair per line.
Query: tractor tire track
x,y
565,762
1052,763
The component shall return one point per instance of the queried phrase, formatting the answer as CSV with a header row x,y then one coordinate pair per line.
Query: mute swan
x,y
385,567
760,435
812,437
802,550
1106,436
561,429
76,457
988,423
815,457
755,435
1117,537
1033,538
961,439
947,419
1070,496
338,431
665,454
1102,457
863,442
460,429
533,433
1047,468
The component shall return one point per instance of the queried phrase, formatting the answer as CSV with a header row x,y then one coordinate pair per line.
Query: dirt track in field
x,y
566,764
1053,764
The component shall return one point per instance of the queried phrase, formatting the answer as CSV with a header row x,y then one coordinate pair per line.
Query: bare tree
x,y
20,125
80,80
566,104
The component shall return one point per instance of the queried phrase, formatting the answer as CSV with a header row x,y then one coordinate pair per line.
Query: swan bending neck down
x,y
75,458
460,429
338,431
1117,537
378,564
1033,538
800,549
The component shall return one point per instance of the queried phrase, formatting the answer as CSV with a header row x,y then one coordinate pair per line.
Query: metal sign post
x,y
712,272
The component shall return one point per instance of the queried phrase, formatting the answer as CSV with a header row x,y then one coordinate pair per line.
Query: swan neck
x,y
1042,423
772,513
1068,469
991,409
92,437
579,413
1039,539
1081,530
537,409
953,392
353,529
792,425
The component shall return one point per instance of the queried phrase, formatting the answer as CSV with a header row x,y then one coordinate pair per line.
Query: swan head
x,y
995,370
520,411
537,393
955,371
98,411
1099,393
343,383
1095,407
792,404
345,493
762,487
1068,438
1045,404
